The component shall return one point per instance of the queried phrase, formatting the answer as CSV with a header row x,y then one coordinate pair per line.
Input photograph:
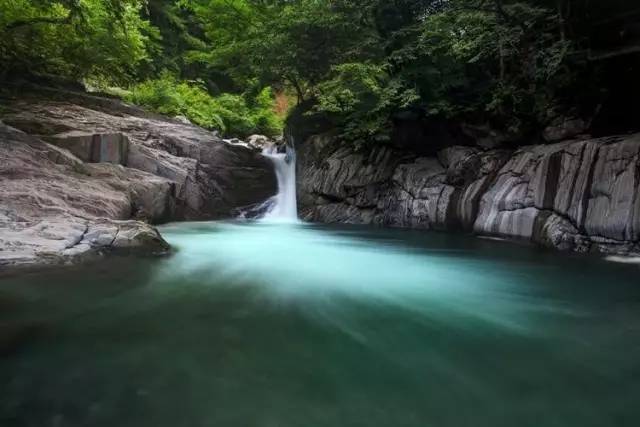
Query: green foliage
x,y
263,113
281,42
112,43
513,61
73,38
168,96
362,97
228,113
365,61
362,62
178,33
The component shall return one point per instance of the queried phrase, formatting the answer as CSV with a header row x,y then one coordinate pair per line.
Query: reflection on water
x,y
295,325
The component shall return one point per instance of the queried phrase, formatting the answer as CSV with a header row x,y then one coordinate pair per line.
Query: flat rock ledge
x,y
579,195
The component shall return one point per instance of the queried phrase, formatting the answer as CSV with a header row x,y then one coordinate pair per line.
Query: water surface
x,y
298,325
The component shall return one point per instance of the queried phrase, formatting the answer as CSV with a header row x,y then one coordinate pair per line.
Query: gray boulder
x,y
52,212
85,175
564,128
211,178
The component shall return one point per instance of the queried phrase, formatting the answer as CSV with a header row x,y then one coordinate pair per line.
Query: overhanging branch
x,y
58,20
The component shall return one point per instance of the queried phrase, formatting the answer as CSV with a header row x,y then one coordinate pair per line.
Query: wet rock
x,y
593,185
575,195
259,141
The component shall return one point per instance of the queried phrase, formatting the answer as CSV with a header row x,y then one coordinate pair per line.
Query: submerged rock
x,y
15,335
576,195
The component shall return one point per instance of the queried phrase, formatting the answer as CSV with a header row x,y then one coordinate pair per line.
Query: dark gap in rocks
x,y
618,113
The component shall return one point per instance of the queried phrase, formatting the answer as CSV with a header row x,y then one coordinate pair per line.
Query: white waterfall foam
x,y
284,206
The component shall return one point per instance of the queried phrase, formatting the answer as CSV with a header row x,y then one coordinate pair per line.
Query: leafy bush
x,y
264,115
229,113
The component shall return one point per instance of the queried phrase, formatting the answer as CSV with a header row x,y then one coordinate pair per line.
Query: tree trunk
x,y
561,24
298,89
42,20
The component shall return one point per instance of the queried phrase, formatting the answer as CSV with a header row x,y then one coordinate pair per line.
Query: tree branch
x,y
498,10
40,20
297,87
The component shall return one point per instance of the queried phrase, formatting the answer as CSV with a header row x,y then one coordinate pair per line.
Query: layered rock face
x,y
575,195
84,175
54,207
211,178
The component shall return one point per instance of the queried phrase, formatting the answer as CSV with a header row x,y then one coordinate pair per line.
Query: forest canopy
x,y
238,65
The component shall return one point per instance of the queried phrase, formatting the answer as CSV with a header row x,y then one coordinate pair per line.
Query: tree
x,y
100,39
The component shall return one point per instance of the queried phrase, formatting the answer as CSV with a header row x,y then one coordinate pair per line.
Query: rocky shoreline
x,y
82,175
578,195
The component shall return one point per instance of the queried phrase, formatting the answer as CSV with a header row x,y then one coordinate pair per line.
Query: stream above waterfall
x,y
267,324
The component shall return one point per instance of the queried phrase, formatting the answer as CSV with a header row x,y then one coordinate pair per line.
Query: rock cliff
x,y
81,174
573,195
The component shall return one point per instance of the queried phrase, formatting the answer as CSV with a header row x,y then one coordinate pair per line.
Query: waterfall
x,y
284,206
